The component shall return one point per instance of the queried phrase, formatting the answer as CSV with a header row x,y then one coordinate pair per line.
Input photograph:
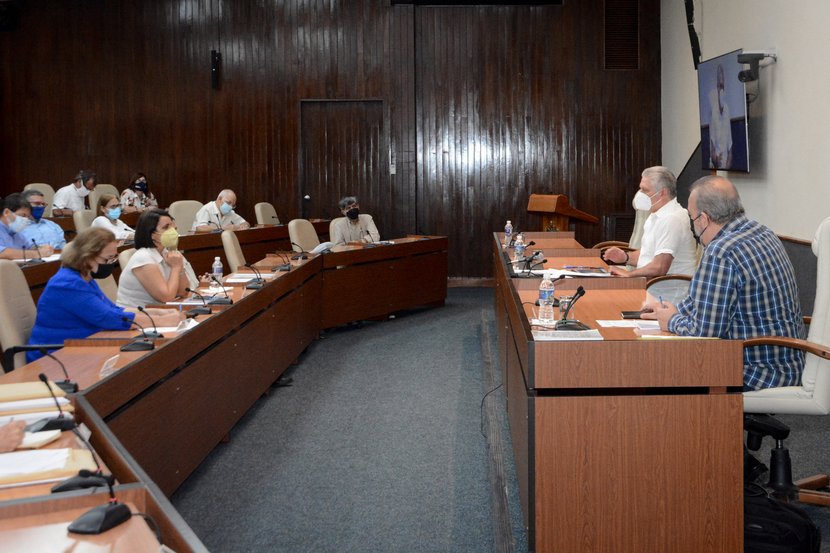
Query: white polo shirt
x,y
667,231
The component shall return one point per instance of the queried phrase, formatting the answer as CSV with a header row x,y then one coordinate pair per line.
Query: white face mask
x,y
83,191
642,201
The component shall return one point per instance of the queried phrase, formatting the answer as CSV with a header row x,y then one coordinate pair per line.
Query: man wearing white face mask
x,y
71,197
219,215
15,213
668,246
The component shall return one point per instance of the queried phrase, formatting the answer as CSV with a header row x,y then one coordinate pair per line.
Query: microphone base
x,y
150,334
220,301
100,519
202,310
570,324
139,345
255,285
55,423
283,267
67,386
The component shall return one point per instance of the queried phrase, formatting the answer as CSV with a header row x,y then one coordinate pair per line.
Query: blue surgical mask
x,y
114,213
19,224
225,208
37,211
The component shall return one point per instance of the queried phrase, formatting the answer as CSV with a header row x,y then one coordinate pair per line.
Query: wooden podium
x,y
556,211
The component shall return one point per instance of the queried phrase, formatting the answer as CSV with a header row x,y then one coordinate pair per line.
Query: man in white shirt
x,y
71,197
668,246
219,215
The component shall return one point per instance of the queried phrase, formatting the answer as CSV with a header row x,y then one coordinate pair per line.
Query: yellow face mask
x,y
170,239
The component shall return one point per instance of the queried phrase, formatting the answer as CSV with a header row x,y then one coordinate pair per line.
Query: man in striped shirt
x,y
744,287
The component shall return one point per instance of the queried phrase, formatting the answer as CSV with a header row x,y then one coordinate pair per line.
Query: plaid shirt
x,y
745,287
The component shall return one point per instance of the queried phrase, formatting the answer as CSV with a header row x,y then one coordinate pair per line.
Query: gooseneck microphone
x,y
258,282
67,385
219,300
218,223
85,478
302,254
101,518
153,333
61,422
140,343
37,251
571,324
202,309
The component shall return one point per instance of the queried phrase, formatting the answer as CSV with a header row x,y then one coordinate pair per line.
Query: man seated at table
x,y
744,287
353,226
219,215
667,244
70,198
42,231
15,213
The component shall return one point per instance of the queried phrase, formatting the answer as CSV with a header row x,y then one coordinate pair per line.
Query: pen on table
x,y
661,301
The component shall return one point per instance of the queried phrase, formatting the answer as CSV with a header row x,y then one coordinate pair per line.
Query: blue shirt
x,y
9,240
72,308
45,232
744,288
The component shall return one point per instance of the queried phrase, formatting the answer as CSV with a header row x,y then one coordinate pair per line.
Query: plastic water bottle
x,y
519,246
508,233
546,314
216,271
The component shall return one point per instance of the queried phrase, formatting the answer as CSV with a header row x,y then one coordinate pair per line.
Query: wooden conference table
x,y
623,444
162,412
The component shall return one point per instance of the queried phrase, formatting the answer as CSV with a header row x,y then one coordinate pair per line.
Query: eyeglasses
x,y
108,260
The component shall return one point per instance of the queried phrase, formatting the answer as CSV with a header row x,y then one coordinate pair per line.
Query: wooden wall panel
x,y
482,105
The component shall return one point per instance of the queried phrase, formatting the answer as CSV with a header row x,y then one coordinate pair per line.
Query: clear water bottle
x,y
216,271
519,246
546,297
508,233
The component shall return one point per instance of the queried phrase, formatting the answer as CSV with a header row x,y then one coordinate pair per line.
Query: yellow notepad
x,y
27,390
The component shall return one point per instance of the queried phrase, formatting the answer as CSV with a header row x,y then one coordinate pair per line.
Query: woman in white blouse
x,y
109,213
157,272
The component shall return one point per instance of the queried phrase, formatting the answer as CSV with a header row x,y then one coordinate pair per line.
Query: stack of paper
x,y
43,465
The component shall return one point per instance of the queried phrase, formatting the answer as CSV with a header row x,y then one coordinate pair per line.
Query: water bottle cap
x,y
216,258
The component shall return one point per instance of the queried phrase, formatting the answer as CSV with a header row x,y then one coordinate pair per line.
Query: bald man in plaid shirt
x,y
744,287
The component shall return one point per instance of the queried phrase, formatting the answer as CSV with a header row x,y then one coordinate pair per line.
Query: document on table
x,y
566,335
248,277
630,323
42,465
27,390
34,416
34,440
30,405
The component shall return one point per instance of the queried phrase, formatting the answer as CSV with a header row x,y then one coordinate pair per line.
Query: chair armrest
x,y
8,355
661,278
796,343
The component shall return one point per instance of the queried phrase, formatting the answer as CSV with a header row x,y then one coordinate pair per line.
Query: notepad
x,y
566,335
34,440
32,405
27,390
42,465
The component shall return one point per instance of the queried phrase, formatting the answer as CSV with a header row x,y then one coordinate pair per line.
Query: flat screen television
x,y
724,120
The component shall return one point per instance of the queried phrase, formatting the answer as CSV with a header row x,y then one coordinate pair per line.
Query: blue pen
x,y
661,301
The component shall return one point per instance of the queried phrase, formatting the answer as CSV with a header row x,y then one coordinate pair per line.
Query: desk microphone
x,y
572,324
219,225
61,422
101,518
513,236
202,309
302,253
67,385
33,261
369,234
138,344
85,478
154,333
218,228
286,262
255,284
220,301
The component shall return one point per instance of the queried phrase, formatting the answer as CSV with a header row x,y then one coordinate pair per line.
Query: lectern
x,y
556,211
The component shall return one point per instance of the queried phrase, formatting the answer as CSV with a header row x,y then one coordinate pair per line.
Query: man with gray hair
x,y
745,287
219,215
667,246
42,231
354,226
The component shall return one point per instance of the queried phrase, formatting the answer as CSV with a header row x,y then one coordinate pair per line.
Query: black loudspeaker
x,y
9,15
215,69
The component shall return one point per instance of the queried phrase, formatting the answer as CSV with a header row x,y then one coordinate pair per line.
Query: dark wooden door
x,y
344,153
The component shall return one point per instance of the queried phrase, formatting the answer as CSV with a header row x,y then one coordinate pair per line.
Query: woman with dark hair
x,y
72,305
109,217
137,195
157,272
